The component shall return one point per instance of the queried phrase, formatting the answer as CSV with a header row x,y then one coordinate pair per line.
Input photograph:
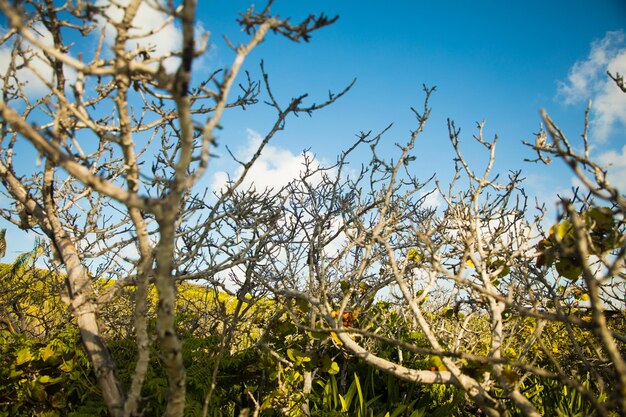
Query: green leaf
x,y
359,391
44,379
24,355
334,368
344,404
317,335
47,379
510,375
38,392
67,366
350,395
325,362
599,218
567,268
303,305
419,293
414,256
401,409
58,400
562,231
448,312
47,352
292,354
299,358
499,265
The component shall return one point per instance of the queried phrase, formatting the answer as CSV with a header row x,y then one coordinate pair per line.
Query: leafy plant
x,y
46,378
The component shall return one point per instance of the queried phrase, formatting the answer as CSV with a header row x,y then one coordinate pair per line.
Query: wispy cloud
x,y
150,20
615,161
274,169
34,76
432,199
152,30
587,79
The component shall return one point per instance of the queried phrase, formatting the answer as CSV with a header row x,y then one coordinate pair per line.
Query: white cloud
x,y
340,241
610,102
38,71
432,199
162,39
584,76
149,18
587,79
615,161
274,169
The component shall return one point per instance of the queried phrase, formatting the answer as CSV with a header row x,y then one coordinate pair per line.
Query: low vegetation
x,y
45,371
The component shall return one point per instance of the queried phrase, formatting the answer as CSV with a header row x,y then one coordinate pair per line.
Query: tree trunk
x,y
80,293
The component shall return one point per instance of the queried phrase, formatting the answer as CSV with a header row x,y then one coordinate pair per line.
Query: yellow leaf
x,y
47,352
336,338
470,263
413,256
561,230
23,355
334,368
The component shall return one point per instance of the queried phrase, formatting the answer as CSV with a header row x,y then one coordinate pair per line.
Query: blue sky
x,y
490,60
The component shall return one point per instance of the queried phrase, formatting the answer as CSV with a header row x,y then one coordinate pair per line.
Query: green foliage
x,y
379,395
53,378
552,398
602,228
46,378
239,371
29,300
560,400
50,376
